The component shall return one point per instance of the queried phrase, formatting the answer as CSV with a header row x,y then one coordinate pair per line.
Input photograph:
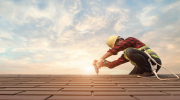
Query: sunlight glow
x,y
88,69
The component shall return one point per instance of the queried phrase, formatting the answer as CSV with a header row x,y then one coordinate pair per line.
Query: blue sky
x,y
65,36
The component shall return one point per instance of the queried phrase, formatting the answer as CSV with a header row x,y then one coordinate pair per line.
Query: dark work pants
x,y
141,60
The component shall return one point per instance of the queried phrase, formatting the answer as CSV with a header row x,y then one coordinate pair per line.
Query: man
x,y
133,51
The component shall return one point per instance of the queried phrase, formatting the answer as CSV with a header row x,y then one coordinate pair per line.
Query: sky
x,y
66,36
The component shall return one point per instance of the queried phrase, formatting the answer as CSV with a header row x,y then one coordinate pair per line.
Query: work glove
x,y
94,62
98,63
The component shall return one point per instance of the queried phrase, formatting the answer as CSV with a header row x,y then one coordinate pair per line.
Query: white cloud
x,y
62,39
171,6
39,57
20,13
38,43
2,50
4,34
68,36
170,46
148,21
122,17
91,23
146,18
113,9
69,33
118,26
60,24
149,36
15,50
98,21
51,36
64,21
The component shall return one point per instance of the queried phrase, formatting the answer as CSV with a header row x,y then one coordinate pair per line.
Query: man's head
x,y
118,40
114,40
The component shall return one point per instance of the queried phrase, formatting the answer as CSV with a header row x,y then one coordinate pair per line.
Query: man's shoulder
x,y
131,38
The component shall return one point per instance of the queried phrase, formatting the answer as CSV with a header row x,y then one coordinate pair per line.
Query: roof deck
x,y
87,87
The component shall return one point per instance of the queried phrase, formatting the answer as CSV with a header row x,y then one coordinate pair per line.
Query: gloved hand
x,y
98,63
94,62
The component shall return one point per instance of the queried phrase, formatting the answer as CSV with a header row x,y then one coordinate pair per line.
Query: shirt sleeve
x,y
117,62
129,42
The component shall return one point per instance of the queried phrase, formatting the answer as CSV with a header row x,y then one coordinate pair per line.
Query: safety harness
x,y
151,53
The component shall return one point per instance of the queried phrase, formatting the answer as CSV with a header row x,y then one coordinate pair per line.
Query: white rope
x,y
154,67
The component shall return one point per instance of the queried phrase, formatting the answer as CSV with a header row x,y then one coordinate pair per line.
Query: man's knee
x,y
129,52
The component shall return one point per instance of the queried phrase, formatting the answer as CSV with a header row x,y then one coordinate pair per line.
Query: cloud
x,y
66,36
123,17
171,6
2,50
91,24
170,46
146,18
19,16
4,34
118,26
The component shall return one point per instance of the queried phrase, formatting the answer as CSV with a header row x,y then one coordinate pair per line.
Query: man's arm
x,y
99,62
115,63
120,47
108,54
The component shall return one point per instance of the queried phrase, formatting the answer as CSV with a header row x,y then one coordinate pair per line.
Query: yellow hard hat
x,y
111,41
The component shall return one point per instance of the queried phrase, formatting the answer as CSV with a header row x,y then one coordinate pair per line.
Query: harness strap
x,y
152,53
154,67
144,48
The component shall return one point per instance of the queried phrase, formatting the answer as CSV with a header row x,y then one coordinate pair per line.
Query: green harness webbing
x,y
151,54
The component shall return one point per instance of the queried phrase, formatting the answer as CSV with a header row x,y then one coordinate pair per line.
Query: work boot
x,y
146,74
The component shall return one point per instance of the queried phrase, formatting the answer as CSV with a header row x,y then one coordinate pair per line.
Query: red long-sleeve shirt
x,y
128,42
